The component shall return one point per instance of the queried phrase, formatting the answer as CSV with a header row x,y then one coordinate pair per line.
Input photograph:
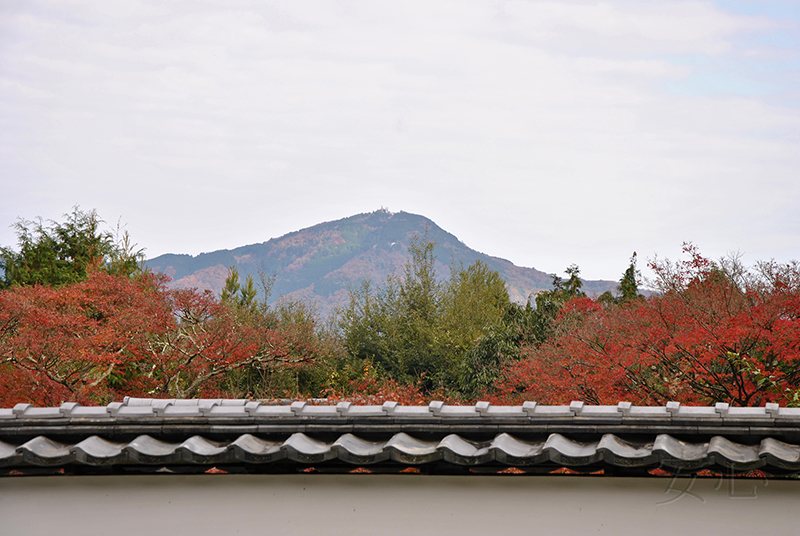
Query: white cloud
x,y
632,28
547,133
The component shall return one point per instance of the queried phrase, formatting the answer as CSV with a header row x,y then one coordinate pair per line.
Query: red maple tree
x,y
715,333
66,343
109,336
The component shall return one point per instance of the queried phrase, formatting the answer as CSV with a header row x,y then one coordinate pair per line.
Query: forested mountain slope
x,y
318,264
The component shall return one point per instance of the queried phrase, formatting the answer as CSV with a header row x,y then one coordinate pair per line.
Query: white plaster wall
x,y
352,505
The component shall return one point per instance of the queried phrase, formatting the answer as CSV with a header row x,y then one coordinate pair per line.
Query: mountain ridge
x,y
320,263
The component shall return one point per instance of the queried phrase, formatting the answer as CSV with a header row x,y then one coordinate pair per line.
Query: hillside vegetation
x,y
320,264
82,319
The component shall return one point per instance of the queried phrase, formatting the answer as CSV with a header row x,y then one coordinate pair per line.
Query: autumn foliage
x,y
66,343
82,320
367,387
715,333
110,336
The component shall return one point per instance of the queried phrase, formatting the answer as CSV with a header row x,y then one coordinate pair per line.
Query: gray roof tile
x,y
216,431
355,450
146,449
562,450
551,413
29,412
621,453
250,448
273,411
665,451
456,449
44,451
510,450
780,454
9,454
407,449
95,450
302,448
89,412
730,454
680,454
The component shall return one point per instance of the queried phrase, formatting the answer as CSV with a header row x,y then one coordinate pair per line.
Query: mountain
x,y
319,264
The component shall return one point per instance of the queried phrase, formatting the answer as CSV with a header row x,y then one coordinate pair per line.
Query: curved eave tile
x,y
677,454
665,452
251,449
406,449
198,449
509,450
355,450
460,451
95,450
145,449
301,448
562,450
779,454
9,454
620,453
44,451
733,455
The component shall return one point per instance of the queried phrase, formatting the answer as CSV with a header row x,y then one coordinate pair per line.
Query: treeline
x,y
82,320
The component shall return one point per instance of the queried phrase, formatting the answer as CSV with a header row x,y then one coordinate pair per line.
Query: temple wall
x,y
353,505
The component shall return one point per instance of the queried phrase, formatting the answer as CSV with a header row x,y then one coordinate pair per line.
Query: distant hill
x,y
319,264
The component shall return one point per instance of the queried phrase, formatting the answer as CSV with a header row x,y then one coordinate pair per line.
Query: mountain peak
x,y
320,263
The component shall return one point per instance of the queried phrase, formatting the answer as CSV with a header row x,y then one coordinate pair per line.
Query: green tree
x,y
499,345
628,288
519,328
629,283
474,297
419,349
571,288
309,349
242,296
56,254
549,303
417,329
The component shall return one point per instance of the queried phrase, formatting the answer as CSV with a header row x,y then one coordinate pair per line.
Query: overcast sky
x,y
547,133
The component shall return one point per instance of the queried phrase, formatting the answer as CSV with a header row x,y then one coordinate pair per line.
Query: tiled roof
x,y
623,439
